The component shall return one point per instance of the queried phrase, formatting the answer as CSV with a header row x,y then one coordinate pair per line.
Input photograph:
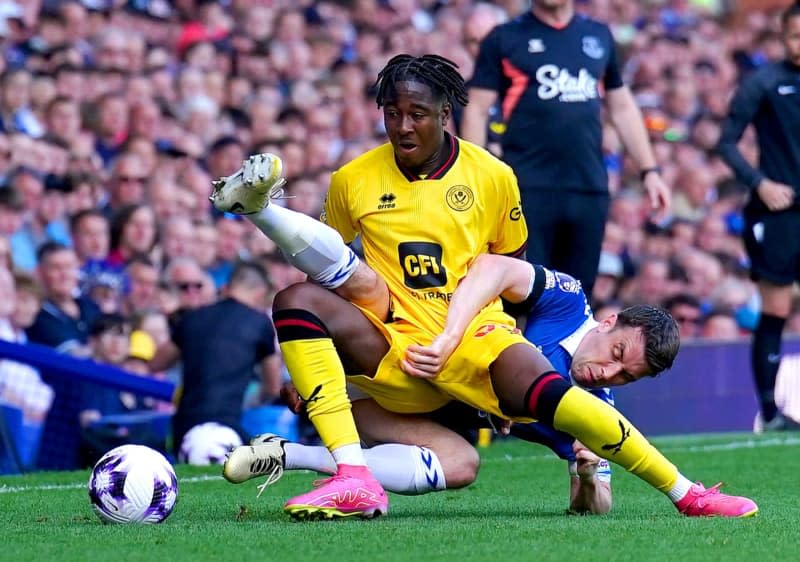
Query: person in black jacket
x,y
220,346
770,100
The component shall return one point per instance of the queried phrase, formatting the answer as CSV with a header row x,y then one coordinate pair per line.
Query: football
x,y
133,484
208,443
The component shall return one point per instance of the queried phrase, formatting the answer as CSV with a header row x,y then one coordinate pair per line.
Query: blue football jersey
x,y
558,318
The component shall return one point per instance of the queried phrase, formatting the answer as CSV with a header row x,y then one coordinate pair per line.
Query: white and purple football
x,y
133,484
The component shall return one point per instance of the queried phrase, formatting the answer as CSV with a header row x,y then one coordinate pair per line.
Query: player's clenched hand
x,y
292,398
428,360
776,196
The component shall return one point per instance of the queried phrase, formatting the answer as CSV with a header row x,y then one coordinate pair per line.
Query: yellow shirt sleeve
x,y
336,212
512,231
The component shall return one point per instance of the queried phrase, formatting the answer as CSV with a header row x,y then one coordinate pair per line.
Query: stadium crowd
x,y
116,115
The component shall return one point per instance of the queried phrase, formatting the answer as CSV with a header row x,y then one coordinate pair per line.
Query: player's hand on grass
x,y
587,461
660,195
776,196
427,361
292,398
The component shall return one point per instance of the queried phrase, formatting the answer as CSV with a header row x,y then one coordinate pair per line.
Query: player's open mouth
x,y
407,146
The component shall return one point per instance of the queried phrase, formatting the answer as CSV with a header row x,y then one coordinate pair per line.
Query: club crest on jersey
x,y
568,284
459,198
593,48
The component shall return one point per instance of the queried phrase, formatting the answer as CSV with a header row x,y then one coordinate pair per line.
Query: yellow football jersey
x,y
421,234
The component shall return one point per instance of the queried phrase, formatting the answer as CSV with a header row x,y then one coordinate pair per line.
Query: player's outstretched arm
x,y
488,277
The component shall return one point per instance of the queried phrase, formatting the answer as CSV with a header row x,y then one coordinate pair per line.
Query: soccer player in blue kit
x,y
639,341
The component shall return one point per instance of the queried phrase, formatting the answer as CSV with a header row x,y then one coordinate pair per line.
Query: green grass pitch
x,y
514,512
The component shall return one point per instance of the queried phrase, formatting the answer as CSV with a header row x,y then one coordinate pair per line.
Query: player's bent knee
x,y
461,468
305,296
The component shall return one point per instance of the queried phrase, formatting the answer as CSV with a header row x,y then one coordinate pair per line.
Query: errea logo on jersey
x,y
387,201
535,46
559,82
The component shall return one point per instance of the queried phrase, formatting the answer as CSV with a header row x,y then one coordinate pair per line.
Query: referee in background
x,y
770,100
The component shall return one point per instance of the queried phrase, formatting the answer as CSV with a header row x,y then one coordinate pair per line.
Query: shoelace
x,y
272,477
277,191
712,490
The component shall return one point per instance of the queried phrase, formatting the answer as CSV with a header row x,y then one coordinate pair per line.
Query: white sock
x,y
349,454
402,469
680,489
406,469
309,457
311,246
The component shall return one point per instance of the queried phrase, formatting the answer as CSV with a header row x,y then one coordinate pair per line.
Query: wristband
x,y
643,173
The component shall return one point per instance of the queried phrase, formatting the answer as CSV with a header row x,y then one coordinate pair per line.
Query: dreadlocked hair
x,y
438,73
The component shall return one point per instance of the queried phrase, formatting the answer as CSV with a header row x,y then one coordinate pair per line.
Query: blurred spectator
x,y
186,277
63,321
126,185
20,384
220,345
177,239
111,124
15,111
89,230
685,309
110,345
719,325
225,156
12,208
38,226
133,233
141,286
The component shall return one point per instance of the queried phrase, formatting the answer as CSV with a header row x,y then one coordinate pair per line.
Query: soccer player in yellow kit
x,y
426,205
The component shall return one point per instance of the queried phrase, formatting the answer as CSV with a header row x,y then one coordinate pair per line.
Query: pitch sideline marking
x,y
729,446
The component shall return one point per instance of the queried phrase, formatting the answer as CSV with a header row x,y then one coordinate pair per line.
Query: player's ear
x,y
447,110
607,324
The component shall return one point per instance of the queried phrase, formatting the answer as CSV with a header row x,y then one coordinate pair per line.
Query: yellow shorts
x,y
465,377
391,387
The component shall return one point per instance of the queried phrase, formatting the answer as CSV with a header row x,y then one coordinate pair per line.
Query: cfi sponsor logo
x,y
555,82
